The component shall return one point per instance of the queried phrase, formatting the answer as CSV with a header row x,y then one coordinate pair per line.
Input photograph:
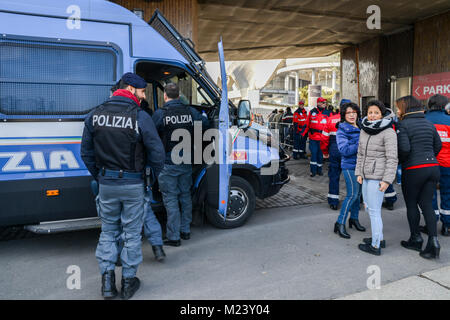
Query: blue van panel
x,y
106,22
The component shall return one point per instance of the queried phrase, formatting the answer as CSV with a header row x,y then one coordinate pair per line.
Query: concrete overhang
x,y
279,29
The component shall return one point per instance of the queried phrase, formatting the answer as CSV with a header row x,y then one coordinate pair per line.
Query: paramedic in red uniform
x,y
317,119
300,117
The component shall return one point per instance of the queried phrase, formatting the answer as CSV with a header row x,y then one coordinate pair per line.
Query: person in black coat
x,y
418,146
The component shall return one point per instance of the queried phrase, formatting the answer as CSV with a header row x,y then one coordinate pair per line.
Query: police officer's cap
x,y
344,101
134,80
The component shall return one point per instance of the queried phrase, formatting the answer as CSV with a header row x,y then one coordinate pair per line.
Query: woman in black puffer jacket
x,y
418,146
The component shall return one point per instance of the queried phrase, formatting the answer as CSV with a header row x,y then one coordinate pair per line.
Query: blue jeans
x,y
121,209
373,200
316,156
152,227
175,183
351,201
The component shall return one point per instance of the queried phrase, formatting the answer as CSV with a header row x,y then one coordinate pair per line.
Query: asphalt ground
x,y
284,252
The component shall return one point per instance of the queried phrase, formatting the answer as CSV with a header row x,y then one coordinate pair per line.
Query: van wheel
x,y
241,204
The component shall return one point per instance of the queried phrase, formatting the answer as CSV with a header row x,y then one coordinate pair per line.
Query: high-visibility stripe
x,y
313,163
319,165
423,166
326,134
445,212
333,133
436,212
445,139
333,196
392,194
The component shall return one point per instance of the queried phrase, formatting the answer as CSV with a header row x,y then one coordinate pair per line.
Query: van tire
x,y
241,195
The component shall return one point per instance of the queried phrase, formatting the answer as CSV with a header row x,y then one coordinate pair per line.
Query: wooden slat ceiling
x,y
276,29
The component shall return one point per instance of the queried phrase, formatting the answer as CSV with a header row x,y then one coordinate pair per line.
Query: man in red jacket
x,y
441,121
300,117
316,121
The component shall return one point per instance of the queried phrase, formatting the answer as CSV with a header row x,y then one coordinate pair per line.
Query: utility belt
x,y
121,174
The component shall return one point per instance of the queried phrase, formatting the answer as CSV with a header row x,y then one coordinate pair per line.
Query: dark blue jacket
x,y
147,135
347,138
159,123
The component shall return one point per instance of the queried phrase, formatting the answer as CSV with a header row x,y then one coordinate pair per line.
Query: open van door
x,y
224,143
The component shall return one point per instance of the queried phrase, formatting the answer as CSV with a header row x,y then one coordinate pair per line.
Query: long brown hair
x,y
408,104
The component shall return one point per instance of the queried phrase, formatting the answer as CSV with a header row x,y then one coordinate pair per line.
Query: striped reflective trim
x,y
445,139
392,194
333,133
445,212
313,163
301,151
302,120
295,150
333,196
436,212
313,121
319,165
326,134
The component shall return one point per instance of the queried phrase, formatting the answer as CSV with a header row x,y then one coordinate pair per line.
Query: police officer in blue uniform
x,y
175,180
119,139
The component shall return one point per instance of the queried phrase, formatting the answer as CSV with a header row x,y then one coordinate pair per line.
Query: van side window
x,y
42,78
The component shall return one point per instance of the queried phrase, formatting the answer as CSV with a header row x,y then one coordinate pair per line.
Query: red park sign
x,y
431,84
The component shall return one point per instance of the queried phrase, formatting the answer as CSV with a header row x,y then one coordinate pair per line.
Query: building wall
x,y
432,45
396,59
182,14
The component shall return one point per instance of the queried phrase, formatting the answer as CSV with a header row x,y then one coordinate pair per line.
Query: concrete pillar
x,y
286,83
313,76
333,85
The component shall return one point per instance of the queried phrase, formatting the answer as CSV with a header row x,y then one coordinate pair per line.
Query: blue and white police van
x,y
58,60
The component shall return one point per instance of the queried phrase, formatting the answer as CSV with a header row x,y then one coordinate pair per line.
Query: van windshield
x,y
190,91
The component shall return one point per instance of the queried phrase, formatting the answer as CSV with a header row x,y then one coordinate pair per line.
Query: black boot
x,y
109,290
333,206
432,249
159,253
369,249
369,241
444,231
353,222
129,287
423,229
388,205
415,242
340,229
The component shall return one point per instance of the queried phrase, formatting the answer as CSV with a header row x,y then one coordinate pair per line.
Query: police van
x,y
58,60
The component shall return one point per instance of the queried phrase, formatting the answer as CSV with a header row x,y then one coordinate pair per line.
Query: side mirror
x,y
243,114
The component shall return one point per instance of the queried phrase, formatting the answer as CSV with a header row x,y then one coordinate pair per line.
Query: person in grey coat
x,y
376,167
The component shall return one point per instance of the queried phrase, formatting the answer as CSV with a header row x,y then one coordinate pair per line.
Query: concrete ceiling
x,y
277,29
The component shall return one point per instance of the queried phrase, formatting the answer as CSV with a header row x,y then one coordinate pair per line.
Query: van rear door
x,y
184,46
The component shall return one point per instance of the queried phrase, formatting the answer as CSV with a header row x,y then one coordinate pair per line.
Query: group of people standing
x,y
368,152
371,152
